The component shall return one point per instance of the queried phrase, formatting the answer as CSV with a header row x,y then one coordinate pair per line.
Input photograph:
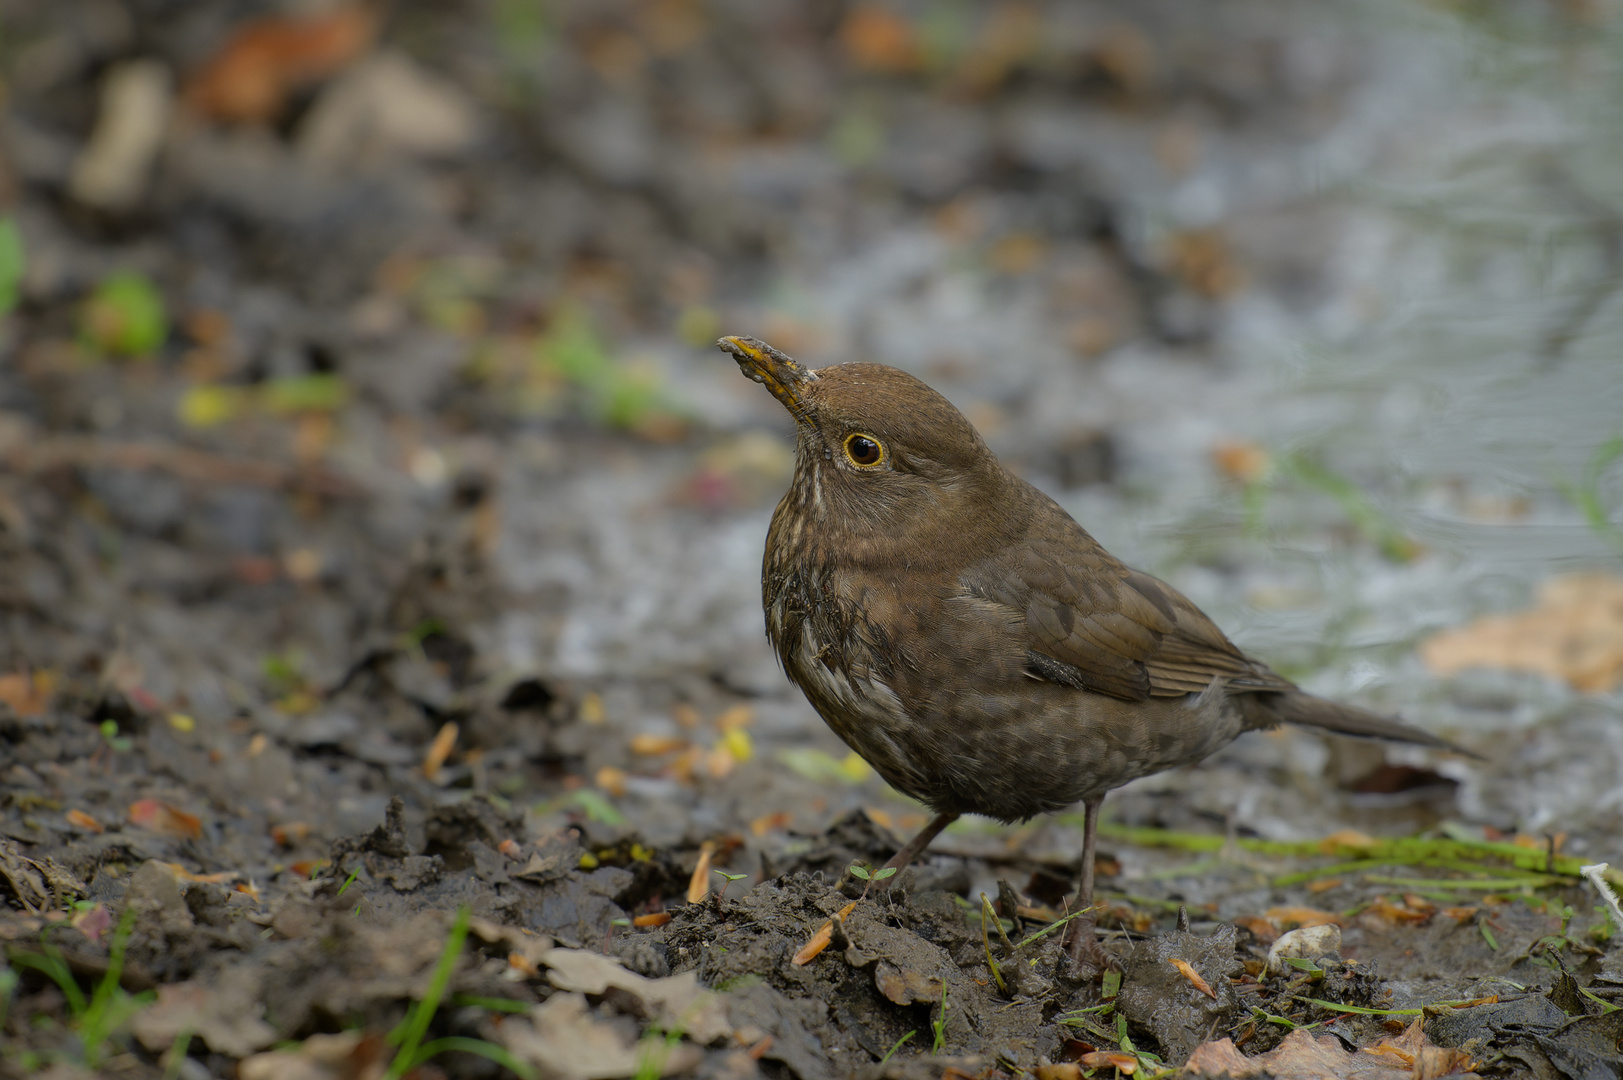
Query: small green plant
x,y
895,1046
12,264
109,733
730,879
125,316
939,1024
655,1049
861,871
1586,496
100,1018
408,1034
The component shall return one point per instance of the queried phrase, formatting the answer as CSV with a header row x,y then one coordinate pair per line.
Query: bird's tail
x,y
1310,711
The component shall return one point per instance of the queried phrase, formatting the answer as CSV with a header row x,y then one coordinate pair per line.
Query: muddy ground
x,y
379,531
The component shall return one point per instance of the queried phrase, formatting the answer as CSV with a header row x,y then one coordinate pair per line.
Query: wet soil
x,y
404,584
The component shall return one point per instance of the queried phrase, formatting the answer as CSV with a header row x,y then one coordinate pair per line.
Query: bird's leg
x,y
1083,942
914,847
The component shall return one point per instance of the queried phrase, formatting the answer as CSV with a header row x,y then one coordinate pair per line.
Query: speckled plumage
x,y
959,630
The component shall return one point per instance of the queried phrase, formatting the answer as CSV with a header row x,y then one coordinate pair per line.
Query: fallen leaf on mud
x,y
820,940
251,78
1574,632
81,820
347,1055
653,918
654,745
291,833
1300,916
1385,913
93,923
28,694
224,1012
220,878
905,986
440,749
771,822
158,816
677,1000
1263,930
699,883
1193,976
564,1039
1104,1059
1301,1056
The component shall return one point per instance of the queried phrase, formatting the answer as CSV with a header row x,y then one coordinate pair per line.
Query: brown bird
x,y
967,637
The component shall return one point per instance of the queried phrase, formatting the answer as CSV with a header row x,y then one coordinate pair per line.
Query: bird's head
x,y
880,454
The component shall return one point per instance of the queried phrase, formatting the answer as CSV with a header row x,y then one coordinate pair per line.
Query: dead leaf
x,y
699,883
771,822
207,879
653,918
81,820
158,816
611,780
567,1042
820,940
251,78
1302,1056
654,745
1187,971
678,1000
1350,839
1105,1059
440,749
1574,632
1261,928
28,694
1300,916
880,40
1383,911
225,1013
291,832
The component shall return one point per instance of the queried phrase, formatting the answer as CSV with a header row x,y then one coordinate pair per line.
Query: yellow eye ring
x,y
864,451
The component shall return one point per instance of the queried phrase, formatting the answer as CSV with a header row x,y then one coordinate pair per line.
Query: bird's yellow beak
x,y
773,370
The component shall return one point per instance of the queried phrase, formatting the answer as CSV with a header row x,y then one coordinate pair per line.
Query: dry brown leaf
x,y
1574,632
819,941
652,919
1390,914
28,694
654,745
1300,916
1243,461
1301,1056
880,40
81,820
439,749
1460,914
1264,931
291,832
699,883
251,78
1187,971
158,816
1109,1059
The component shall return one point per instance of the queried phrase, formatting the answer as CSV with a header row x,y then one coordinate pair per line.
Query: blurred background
x,y
358,380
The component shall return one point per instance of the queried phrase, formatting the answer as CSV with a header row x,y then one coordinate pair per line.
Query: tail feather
x,y
1310,711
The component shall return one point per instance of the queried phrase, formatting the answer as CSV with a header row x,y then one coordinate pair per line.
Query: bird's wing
x,y
1098,625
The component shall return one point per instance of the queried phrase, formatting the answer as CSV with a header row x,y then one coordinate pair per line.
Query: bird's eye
x,y
864,451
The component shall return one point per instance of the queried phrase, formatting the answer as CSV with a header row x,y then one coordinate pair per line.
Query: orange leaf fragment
x,y
157,816
249,888
1491,999
1460,914
81,820
28,694
1244,461
1383,910
880,40
1324,884
291,832
699,884
511,848
611,780
1107,1059
307,868
1346,838
770,822
654,745
1300,916
440,749
1574,633
1065,1070
208,879
1187,971
739,716
819,941
519,962
653,918
758,1051
1265,931
250,79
